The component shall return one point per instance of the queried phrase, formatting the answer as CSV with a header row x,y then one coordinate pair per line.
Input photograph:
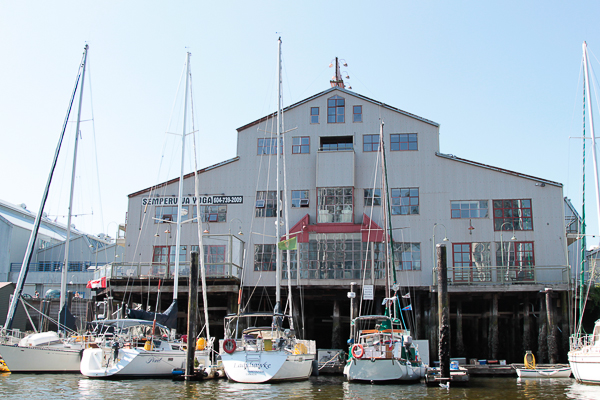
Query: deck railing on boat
x,y
578,342
506,275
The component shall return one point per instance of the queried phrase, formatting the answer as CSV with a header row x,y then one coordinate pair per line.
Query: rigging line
x,y
95,146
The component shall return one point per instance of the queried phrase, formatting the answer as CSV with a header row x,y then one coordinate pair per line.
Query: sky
x,y
502,78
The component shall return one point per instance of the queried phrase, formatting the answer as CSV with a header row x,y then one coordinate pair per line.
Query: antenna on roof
x,y
337,80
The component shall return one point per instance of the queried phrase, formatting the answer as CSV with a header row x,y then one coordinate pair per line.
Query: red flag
x,y
97,283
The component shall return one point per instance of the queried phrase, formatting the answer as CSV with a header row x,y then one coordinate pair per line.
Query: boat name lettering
x,y
172,200
244,365
153,360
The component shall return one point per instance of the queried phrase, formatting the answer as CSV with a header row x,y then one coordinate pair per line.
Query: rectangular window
x,y
168,214
518,260
301,145
513,215
407,256
471,262
405,201
214,259
335,110
335,205
314,115
267,146
300,198
182,254
266,204
469,209
213,213
403,142
370,142
336,143
265,257
357,114
372,197
161,254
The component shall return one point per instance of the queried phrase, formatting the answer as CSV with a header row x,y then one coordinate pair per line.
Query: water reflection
x,y
323,387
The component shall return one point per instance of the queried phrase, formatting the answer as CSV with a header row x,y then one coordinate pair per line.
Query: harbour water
x,y
21,386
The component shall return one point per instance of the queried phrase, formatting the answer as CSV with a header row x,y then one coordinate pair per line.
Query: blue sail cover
x,y
168,318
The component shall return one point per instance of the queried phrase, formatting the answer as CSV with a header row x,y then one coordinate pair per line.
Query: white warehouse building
x,y
504,231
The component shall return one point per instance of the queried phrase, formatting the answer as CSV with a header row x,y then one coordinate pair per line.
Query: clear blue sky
x,y
502,78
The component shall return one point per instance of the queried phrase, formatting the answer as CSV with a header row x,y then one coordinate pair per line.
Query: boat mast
x,y
65,269
595,162
277,199
36,225
180,195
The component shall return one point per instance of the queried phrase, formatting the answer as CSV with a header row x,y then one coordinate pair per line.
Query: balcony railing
x,y
506,275
165,271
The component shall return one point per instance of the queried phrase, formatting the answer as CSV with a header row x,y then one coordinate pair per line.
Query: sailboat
x,y
271,352
381,348
584,353
143,353
47,351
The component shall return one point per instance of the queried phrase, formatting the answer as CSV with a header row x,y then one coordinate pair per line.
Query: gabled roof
x,y
347,92
200,171
505,171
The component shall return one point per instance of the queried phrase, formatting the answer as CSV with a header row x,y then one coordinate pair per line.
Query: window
x,y
405,201
357,114
338,256
403,142
334,205
214,259
314,115
182,254
301,145
469,209
372,197
518,258
370,142
161,254
336,143
471,262
407,256
168,213
265,257
267,146
513,215
300,198
213,213
266,204
335,110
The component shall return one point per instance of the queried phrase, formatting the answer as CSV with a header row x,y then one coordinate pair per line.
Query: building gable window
x,y
469,209
265,257
334,204
403,142
370,142
314,115
372,197
266,204
213,213
407,256
300,198
513,215
267,146
335,110
301,145
357,114
405,201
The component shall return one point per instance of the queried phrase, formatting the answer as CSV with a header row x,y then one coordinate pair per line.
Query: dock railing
x,y
506,275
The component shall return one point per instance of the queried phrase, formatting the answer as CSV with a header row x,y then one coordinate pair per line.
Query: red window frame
x,y
371,142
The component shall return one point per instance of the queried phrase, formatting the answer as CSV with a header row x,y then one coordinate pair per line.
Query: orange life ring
x,y
357,351
229,346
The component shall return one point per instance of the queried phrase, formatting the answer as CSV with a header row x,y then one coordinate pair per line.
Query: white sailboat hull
x,y
382,370
41,359
585,364
266,366
131,363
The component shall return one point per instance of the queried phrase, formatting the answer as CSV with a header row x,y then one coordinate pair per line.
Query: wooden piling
x,y
460,344
494,328
443,311
192,318
336,328
552,344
